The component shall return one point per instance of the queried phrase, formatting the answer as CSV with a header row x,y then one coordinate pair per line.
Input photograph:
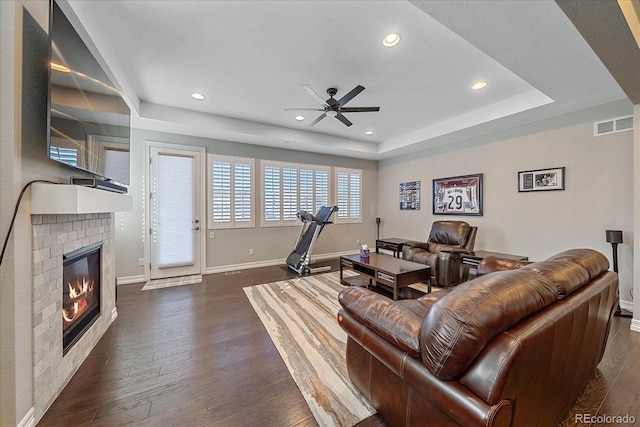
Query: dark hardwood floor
x,y
198,355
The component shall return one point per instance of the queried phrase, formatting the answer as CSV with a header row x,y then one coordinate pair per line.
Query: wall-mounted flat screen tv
x,y
89,121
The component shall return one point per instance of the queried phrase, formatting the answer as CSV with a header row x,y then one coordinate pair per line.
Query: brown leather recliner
x,y
442,249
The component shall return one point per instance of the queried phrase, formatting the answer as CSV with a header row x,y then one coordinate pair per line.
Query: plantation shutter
x,y
289,193
354,196
343,195
306,191
231,192
349,195
289,187
322,189
271,183
243,209
221,192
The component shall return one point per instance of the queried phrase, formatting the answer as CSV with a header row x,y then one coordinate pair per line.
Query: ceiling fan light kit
x,y
335,108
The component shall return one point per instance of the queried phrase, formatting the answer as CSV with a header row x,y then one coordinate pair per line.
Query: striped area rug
x,y
300,317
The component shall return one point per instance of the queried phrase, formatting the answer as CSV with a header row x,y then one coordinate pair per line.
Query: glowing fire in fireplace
x,y
77,302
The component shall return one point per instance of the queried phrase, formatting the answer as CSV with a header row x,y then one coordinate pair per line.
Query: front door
x,y
175,210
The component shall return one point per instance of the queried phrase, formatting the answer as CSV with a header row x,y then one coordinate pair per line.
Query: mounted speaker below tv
x,y
98,183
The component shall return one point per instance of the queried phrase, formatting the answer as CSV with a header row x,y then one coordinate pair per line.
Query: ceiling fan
x,y
335,107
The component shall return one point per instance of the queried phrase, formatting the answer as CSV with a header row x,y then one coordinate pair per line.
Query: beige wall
x,y
598,195
230,248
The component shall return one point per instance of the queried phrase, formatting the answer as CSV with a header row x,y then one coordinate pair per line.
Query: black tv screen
x,y
89,121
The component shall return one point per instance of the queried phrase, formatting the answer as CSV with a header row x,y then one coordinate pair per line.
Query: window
x,y
289,187
349,195
231,194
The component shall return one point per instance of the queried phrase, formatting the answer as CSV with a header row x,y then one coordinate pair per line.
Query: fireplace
x,y
80,293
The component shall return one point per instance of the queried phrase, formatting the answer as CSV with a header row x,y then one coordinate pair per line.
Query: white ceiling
x,y
251,58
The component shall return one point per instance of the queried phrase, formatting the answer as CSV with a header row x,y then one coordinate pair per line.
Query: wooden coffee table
x,y
385,269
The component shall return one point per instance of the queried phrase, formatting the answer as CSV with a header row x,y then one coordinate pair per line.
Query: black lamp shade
x,y
614,236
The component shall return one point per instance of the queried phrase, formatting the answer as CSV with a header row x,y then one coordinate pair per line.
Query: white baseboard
x,y
114,314
626,305
29,420
128,280
272,262
635,325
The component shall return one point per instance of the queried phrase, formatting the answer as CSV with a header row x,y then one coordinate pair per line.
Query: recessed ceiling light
x,y
479,85
391,39
197,96
299,118
369,132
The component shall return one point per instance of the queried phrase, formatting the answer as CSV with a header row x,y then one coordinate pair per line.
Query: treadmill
x,y
312,226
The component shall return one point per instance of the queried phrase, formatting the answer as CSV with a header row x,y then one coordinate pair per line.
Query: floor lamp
x,y
615,237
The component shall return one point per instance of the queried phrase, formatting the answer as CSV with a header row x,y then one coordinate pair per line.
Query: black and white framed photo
x,y
458,195
541,180
410,196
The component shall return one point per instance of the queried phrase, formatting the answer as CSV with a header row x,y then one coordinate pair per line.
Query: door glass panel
x,y
174,238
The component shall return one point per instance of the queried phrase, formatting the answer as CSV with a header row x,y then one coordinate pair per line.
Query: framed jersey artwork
x,y
459,195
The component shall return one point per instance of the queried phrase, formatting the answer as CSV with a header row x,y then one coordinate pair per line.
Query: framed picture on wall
x,y
458,195
410,196
541,180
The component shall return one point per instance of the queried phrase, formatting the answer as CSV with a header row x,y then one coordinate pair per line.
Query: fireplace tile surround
x,y
53,236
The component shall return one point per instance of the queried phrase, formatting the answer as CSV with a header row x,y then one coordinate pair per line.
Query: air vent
x,y
613,125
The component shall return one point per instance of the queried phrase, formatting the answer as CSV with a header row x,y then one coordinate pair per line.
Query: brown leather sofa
x,y
508,348
441,251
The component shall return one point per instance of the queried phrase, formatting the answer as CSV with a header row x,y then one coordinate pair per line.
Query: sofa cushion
x,y
594,262
423,304
387,318
458,326
567,276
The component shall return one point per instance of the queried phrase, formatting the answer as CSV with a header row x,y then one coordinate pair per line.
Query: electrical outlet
x,y
212,234
358,242
250,251
140,261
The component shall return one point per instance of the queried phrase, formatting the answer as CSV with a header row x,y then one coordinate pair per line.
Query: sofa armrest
x,y
416,244
455,250
491,264
388,319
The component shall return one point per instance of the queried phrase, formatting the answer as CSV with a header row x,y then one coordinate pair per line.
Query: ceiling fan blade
x,y
359,109
314,95
320,117
304,109
348,97
343,119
